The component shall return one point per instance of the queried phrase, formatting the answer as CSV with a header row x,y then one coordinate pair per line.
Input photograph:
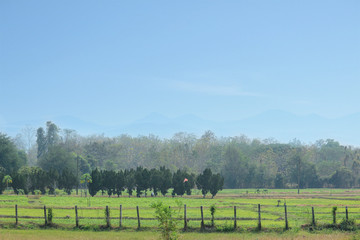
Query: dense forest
x,y
243,162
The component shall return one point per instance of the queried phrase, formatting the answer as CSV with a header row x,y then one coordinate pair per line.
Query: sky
x,y
113,62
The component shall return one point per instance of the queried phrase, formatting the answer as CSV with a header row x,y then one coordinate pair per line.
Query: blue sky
x,y
112,62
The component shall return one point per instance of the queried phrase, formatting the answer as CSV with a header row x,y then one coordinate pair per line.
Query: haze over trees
x,y
144,163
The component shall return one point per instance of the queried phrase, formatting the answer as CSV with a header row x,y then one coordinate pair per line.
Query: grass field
x,y
92,216
13,234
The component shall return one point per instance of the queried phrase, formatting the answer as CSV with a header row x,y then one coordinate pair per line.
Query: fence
x,y
282,216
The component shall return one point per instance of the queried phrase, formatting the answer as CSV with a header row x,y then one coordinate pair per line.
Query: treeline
x,y
244,162
157,181
140,180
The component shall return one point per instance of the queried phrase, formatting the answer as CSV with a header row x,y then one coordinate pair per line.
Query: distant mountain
x,y
64,122
280,125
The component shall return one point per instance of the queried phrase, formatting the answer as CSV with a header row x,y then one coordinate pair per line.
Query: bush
x,y
50,216
212,211
228,227
348,225
167,222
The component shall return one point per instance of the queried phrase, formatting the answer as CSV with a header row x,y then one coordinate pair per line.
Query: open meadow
x,y
91,214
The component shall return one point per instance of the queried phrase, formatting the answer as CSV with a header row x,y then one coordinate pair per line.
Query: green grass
x,y
246,200
15,234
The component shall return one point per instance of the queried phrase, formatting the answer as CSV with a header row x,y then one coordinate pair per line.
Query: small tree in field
x,y
86,178
166,219
7,180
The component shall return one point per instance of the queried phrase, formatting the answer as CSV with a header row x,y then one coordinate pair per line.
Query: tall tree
x,y
52,134
203,181
41,142
119,183
95,184
10,158
216,184
235,168
67,180
166,180
130,181
57,158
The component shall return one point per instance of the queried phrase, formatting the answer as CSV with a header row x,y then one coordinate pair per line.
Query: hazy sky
x,y
113,62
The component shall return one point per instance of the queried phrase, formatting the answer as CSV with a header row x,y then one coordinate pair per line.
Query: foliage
x,y
86,179
10,159
57,158
50,215
67,180
207,181
166,219
243,162
95,184
2,176
212,212
348,224
227,227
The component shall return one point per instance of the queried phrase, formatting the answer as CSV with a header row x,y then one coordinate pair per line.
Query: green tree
x,y
86,179
166,219
279,180
22,180
67,180
95,184
203,181
295,167
57,158
109,181
341,178
216,184
156,180
53,180
52,134
2,175
166,180
9,155
130,182
119,183
178,183
39,179
235,168
7,180
41,142
142,179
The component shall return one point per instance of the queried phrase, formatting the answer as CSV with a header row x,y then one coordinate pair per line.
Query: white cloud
x,y
209,89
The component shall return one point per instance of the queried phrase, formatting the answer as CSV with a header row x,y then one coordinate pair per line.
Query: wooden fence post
x,y
185,221
16,214
120,221
202,218
76,217
235,225
107,211
347,213
286,218
313,216
259,223
138,216
45,215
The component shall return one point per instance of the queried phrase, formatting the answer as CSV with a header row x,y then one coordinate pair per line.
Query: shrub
x,y
50,216
227,227
348,225
167,222
212,211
